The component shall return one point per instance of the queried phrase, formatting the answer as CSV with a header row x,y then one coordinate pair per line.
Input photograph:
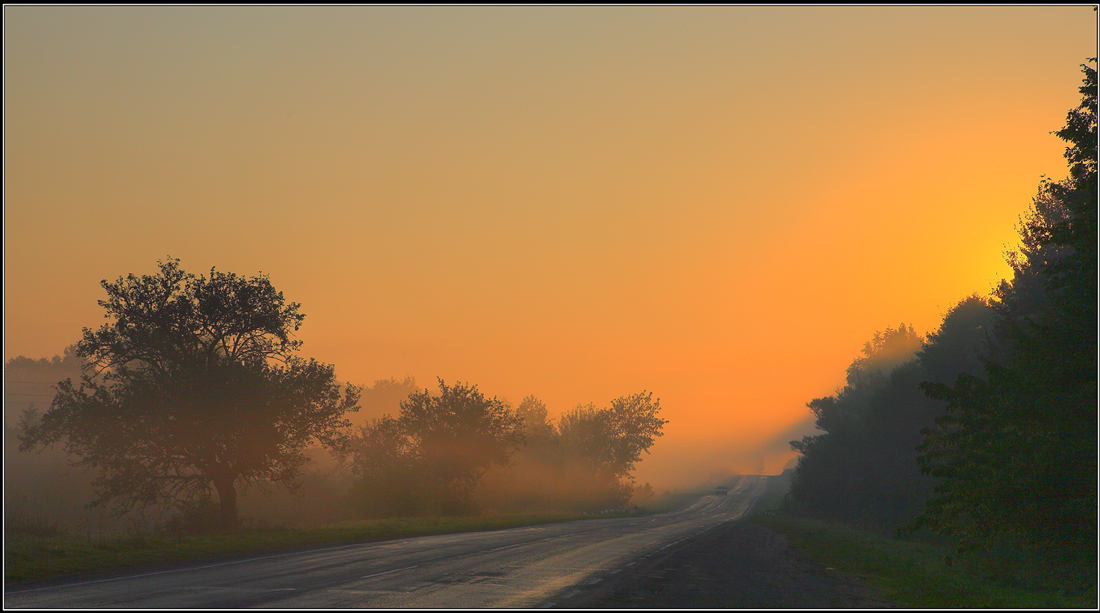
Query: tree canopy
x,y
460,434
431,457
193,385
614,438
857,469
1016,452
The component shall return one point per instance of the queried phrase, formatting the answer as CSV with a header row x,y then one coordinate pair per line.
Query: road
x,y
531,567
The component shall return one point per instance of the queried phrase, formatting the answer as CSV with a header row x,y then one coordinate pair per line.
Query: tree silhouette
x,y
609,442
391,475
459,435
437,452
537,428
1016,454
862,468
193,385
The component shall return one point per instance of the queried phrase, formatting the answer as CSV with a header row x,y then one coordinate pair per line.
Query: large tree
x,y
1016,454
193,386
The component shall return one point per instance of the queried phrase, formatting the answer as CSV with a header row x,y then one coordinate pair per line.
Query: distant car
x,y
721,490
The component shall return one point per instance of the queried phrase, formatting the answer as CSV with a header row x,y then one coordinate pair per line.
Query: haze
x,y
720,205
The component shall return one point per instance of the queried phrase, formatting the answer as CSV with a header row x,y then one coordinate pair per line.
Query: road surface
x,y
532,567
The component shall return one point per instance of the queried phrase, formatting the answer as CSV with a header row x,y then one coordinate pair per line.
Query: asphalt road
x,y
532,567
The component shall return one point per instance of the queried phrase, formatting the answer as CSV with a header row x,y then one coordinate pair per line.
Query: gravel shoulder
x,y
737,565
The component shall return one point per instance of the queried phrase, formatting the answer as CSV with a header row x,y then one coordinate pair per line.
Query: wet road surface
x,y
530,567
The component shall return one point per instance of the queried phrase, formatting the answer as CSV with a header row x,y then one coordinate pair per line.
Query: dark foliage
x,y
862,469
1016,453
193,386
431,458
442,448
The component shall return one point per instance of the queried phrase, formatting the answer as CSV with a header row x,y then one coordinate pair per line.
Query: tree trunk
x,y
227,497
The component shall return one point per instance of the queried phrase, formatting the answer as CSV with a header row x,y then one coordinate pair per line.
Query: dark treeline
x,y
863,468
41,492
193,396
28,383
986,430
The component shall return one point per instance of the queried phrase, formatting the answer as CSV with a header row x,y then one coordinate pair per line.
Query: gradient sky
x,y
716,204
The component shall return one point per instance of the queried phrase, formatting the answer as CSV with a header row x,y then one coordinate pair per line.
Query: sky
x,y
718,205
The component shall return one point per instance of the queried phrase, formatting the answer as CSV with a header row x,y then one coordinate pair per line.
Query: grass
x,y
918,574
774,489
37,555
33,557
668,502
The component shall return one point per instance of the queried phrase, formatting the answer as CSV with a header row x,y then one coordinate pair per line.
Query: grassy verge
x,y
916,574
28,557
668,502
774,490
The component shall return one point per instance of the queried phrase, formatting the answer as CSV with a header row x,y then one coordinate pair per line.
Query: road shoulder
x,y
737,565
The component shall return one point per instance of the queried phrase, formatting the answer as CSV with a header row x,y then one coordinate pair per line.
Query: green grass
x,y
30,557
917,574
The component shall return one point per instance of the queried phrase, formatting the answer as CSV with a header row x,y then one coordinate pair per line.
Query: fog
x,y
559,467
716,205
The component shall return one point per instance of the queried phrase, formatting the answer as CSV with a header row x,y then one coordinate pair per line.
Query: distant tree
x,y
28,380
193,385
68,360
885,351
642,494
442,445
611,441
635,426
459,435
536,420
586,434
383,398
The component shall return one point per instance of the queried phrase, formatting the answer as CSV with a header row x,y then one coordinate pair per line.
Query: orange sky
x,y
716,204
